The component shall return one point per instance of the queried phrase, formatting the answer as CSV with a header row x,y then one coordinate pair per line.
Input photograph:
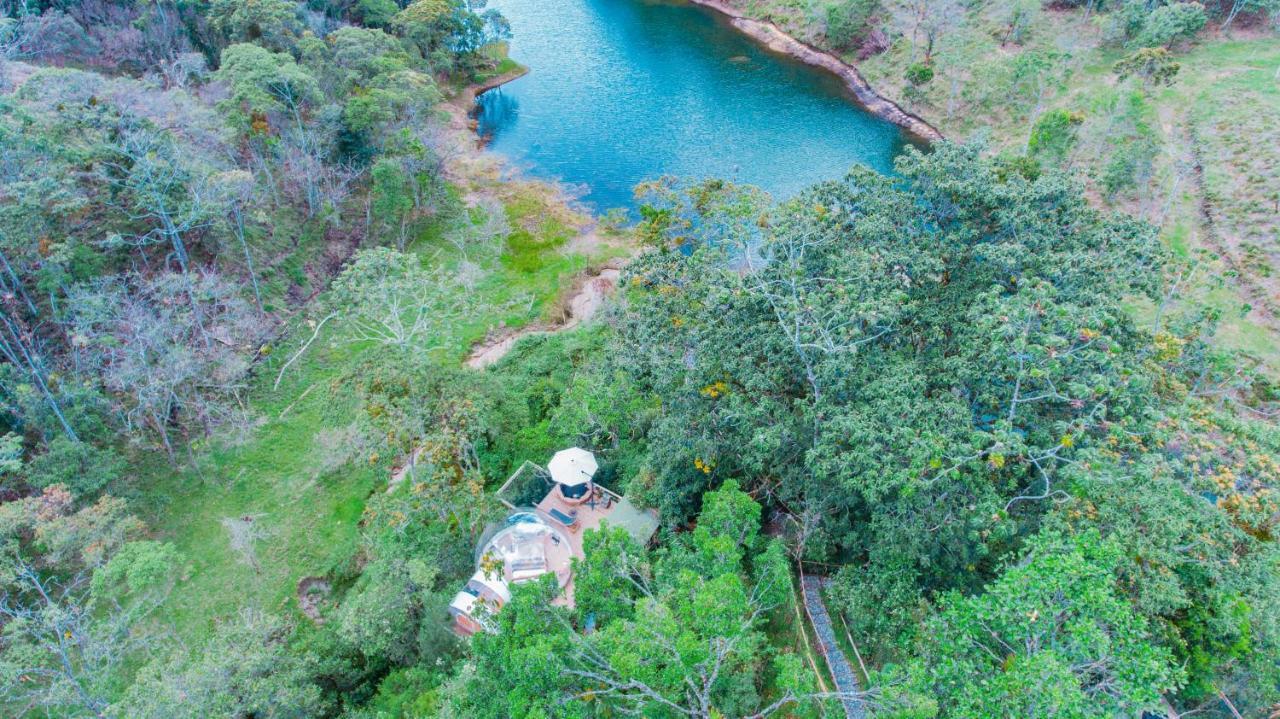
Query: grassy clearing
x,y
255,510
1224,104
503,64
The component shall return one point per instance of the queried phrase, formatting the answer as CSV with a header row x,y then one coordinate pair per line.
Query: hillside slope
x,y
1199,157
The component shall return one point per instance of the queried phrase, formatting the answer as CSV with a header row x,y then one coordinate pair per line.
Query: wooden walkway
x,y
845,678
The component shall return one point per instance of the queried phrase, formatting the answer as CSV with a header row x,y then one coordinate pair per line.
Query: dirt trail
x,y
589,293
588,296
1264,307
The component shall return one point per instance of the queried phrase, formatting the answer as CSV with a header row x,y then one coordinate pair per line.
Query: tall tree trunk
x,y
13,346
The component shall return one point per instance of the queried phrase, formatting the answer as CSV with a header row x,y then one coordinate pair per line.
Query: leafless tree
x,y
929,20
485,237
239,192
388,298
143,340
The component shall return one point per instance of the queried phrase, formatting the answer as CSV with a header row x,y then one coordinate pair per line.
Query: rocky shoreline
x,y
778,41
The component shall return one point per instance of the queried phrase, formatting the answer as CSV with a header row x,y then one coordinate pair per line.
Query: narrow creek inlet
x,y
620,91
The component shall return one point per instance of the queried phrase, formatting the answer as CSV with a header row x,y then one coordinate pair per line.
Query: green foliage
x,y
603,580
1171,510
518,672
1051,636
11,453
411,692
389,608
271,23
1169,23
849,21
1053,136
1130,141
1154,65
376,13
135,569
525,250
919,73
727,528
447,33
77,589
1025,166
246,670
266,84
894,390
391,198
560,390
79,466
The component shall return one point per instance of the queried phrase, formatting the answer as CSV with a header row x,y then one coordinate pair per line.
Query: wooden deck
x,y
587,515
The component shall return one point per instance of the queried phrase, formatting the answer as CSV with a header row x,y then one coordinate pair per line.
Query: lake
x,y
620,91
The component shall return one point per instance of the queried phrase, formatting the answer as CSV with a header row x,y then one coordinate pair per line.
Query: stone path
x,y
845,678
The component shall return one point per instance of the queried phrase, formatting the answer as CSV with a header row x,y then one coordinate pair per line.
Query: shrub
x,y
848,22
376,13
1152,64
919,73
1053,135
1170,23
81,467
1009,165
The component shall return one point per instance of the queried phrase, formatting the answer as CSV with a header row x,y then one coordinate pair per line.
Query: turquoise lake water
x,y
620,91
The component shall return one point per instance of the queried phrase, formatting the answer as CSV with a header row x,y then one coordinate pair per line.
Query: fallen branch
x,y
298,354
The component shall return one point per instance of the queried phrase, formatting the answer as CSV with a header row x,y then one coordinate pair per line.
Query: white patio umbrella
x,y
572,467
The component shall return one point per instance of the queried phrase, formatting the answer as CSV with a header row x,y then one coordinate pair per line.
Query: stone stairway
x,y
845,678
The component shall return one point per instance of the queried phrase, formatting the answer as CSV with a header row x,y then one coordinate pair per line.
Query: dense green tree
x,y
1052,636
392,602
273,24
376,13
246,670
518,671
906,364
266,85
449,33
79,466
76,589
1169,23
1193,508
391,199
603,580
1054,135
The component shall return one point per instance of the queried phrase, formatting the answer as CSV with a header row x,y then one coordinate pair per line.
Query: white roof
x,y
572,467
498,586
463,602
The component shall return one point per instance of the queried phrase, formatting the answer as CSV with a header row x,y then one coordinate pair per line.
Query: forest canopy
x,y
247,250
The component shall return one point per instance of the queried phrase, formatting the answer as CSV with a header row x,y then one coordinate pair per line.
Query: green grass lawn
x,y
294,472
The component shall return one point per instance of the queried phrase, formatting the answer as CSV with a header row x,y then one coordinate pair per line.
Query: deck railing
x,y
526,486
529,484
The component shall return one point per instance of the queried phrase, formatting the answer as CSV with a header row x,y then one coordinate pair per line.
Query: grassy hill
x,y
1199,157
